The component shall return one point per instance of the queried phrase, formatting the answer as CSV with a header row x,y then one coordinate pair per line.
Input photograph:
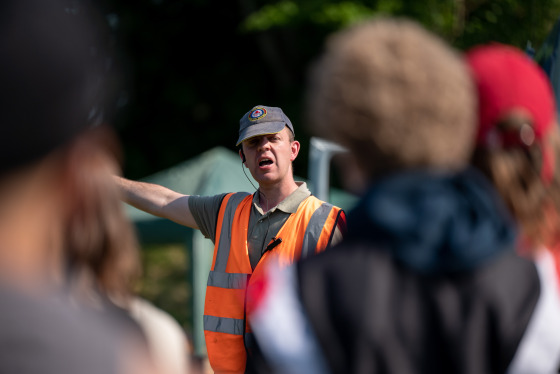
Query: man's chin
x,y
265,180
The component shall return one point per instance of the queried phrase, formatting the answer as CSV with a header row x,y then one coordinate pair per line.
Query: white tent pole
x,y
320,154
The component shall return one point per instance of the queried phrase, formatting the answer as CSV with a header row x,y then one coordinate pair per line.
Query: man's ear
x,y
295,146
242,155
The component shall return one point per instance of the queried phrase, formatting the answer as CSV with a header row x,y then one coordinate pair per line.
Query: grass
x,y
166,281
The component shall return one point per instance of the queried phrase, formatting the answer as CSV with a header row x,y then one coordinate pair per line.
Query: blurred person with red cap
x,y
518,149
427,279
517,139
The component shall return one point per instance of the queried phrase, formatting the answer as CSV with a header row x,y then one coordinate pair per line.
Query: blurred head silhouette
x,y
55,74
61,221
58,208
395,95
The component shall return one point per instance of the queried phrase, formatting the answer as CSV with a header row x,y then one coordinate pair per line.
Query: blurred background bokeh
x,y
194,67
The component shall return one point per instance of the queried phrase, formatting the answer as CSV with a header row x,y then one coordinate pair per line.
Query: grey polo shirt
x,y
262,226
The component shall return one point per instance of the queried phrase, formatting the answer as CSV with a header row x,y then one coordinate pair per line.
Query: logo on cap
x,y
257,114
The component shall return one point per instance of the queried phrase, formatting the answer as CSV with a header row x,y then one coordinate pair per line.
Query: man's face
x,y
269,157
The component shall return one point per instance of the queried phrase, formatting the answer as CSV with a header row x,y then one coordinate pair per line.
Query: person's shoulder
x,y
75,341
219,196
167,340
201,201
324,203
151,317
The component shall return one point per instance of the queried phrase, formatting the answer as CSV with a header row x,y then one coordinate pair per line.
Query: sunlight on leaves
x,y
272,15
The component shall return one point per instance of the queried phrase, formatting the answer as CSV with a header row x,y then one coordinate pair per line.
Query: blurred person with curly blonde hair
x,y
427,279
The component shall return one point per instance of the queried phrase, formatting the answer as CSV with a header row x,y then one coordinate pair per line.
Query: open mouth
x,y
265,161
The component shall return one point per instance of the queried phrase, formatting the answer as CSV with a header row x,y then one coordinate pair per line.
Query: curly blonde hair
x,y
396,95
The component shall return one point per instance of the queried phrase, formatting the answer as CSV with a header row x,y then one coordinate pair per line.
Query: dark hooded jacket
x,y
426,281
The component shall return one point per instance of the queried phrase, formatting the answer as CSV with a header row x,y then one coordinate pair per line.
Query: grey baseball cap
x,y
262,120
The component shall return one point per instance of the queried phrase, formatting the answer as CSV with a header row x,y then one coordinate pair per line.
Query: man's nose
x,y
264,143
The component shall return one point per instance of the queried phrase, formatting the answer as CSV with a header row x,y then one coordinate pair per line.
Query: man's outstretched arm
x,y
157,200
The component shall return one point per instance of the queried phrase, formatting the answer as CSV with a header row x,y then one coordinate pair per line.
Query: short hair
x,y
396,95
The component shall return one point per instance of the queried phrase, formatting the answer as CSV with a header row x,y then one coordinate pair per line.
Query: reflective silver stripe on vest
x,y
225,233
224,325
314,229
219,278
227,280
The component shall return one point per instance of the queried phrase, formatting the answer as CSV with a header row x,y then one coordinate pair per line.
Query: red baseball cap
x,y
507,79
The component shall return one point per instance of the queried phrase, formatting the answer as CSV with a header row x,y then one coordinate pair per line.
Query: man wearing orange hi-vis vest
x,y
281,222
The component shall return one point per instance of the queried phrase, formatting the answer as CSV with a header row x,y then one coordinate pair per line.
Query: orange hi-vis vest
x,y
305,232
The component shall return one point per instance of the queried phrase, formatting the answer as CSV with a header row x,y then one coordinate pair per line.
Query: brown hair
x,y
101,241
516,172
395,95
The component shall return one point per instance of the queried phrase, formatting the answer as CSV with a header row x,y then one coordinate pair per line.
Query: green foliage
x,y
192,68
508,21
341,14
286,13
271,15
462,22
166,282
